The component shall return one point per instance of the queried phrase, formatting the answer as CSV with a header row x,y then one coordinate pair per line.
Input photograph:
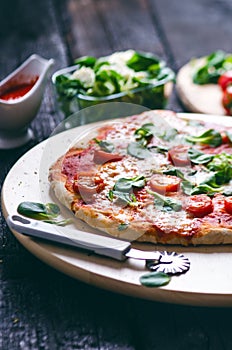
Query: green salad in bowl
x,y
125,76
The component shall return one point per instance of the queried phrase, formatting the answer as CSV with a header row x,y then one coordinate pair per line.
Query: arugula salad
x,y
216,68
126,76
215,64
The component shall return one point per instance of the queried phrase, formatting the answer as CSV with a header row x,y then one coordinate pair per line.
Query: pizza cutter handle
x,y
101,245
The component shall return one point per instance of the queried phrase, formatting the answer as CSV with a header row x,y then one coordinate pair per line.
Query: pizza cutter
x,y
171,263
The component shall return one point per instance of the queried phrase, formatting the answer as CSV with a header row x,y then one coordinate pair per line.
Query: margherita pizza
x,y
151,177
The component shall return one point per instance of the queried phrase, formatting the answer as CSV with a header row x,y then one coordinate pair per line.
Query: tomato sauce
x,y
17,91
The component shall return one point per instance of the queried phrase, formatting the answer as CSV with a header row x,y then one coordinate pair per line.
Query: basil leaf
x,y
207,189
187,187
210,137
126,197
166,203
198,157
137,150
126,184
123,226
155,279
174,171
106,146
221,164
58,222
123,189
169,134
145,133
38,211
158,149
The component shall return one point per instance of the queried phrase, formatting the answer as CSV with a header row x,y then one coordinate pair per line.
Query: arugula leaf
x,y
155,279
167,203
106,146
198,157
210,137
138,150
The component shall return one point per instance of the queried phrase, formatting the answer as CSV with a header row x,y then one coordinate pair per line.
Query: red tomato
x,y
178,155
164,183
227,100
225,79
228,204
101,157
199,205
225,138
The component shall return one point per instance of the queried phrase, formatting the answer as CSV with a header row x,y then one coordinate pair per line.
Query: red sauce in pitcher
x,y
17,91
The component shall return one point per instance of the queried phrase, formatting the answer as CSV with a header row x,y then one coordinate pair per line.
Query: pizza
x,y
152,177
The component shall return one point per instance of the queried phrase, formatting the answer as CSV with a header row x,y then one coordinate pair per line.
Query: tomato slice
x,y
225,79
228,204
101,157
199,205
164,183
178,155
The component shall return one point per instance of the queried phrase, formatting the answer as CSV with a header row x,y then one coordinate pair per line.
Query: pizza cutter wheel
x,y
170,263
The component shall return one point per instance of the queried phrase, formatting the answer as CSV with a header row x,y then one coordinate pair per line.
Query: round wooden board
x,y
207,283
198,98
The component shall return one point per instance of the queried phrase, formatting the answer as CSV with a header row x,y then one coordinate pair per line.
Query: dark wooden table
x,y
40,308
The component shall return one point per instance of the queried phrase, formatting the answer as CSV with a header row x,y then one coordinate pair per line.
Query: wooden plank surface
x,y
39,307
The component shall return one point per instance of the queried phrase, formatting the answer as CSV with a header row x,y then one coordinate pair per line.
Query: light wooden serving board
x,y
208,282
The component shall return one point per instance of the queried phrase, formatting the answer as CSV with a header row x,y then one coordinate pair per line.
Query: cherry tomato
x,y
199,205
225,138
178,155
227,100
101,157
164,183
228,204
225,79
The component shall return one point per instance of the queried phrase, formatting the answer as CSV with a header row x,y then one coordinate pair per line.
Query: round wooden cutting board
x,y
198,98
207,283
